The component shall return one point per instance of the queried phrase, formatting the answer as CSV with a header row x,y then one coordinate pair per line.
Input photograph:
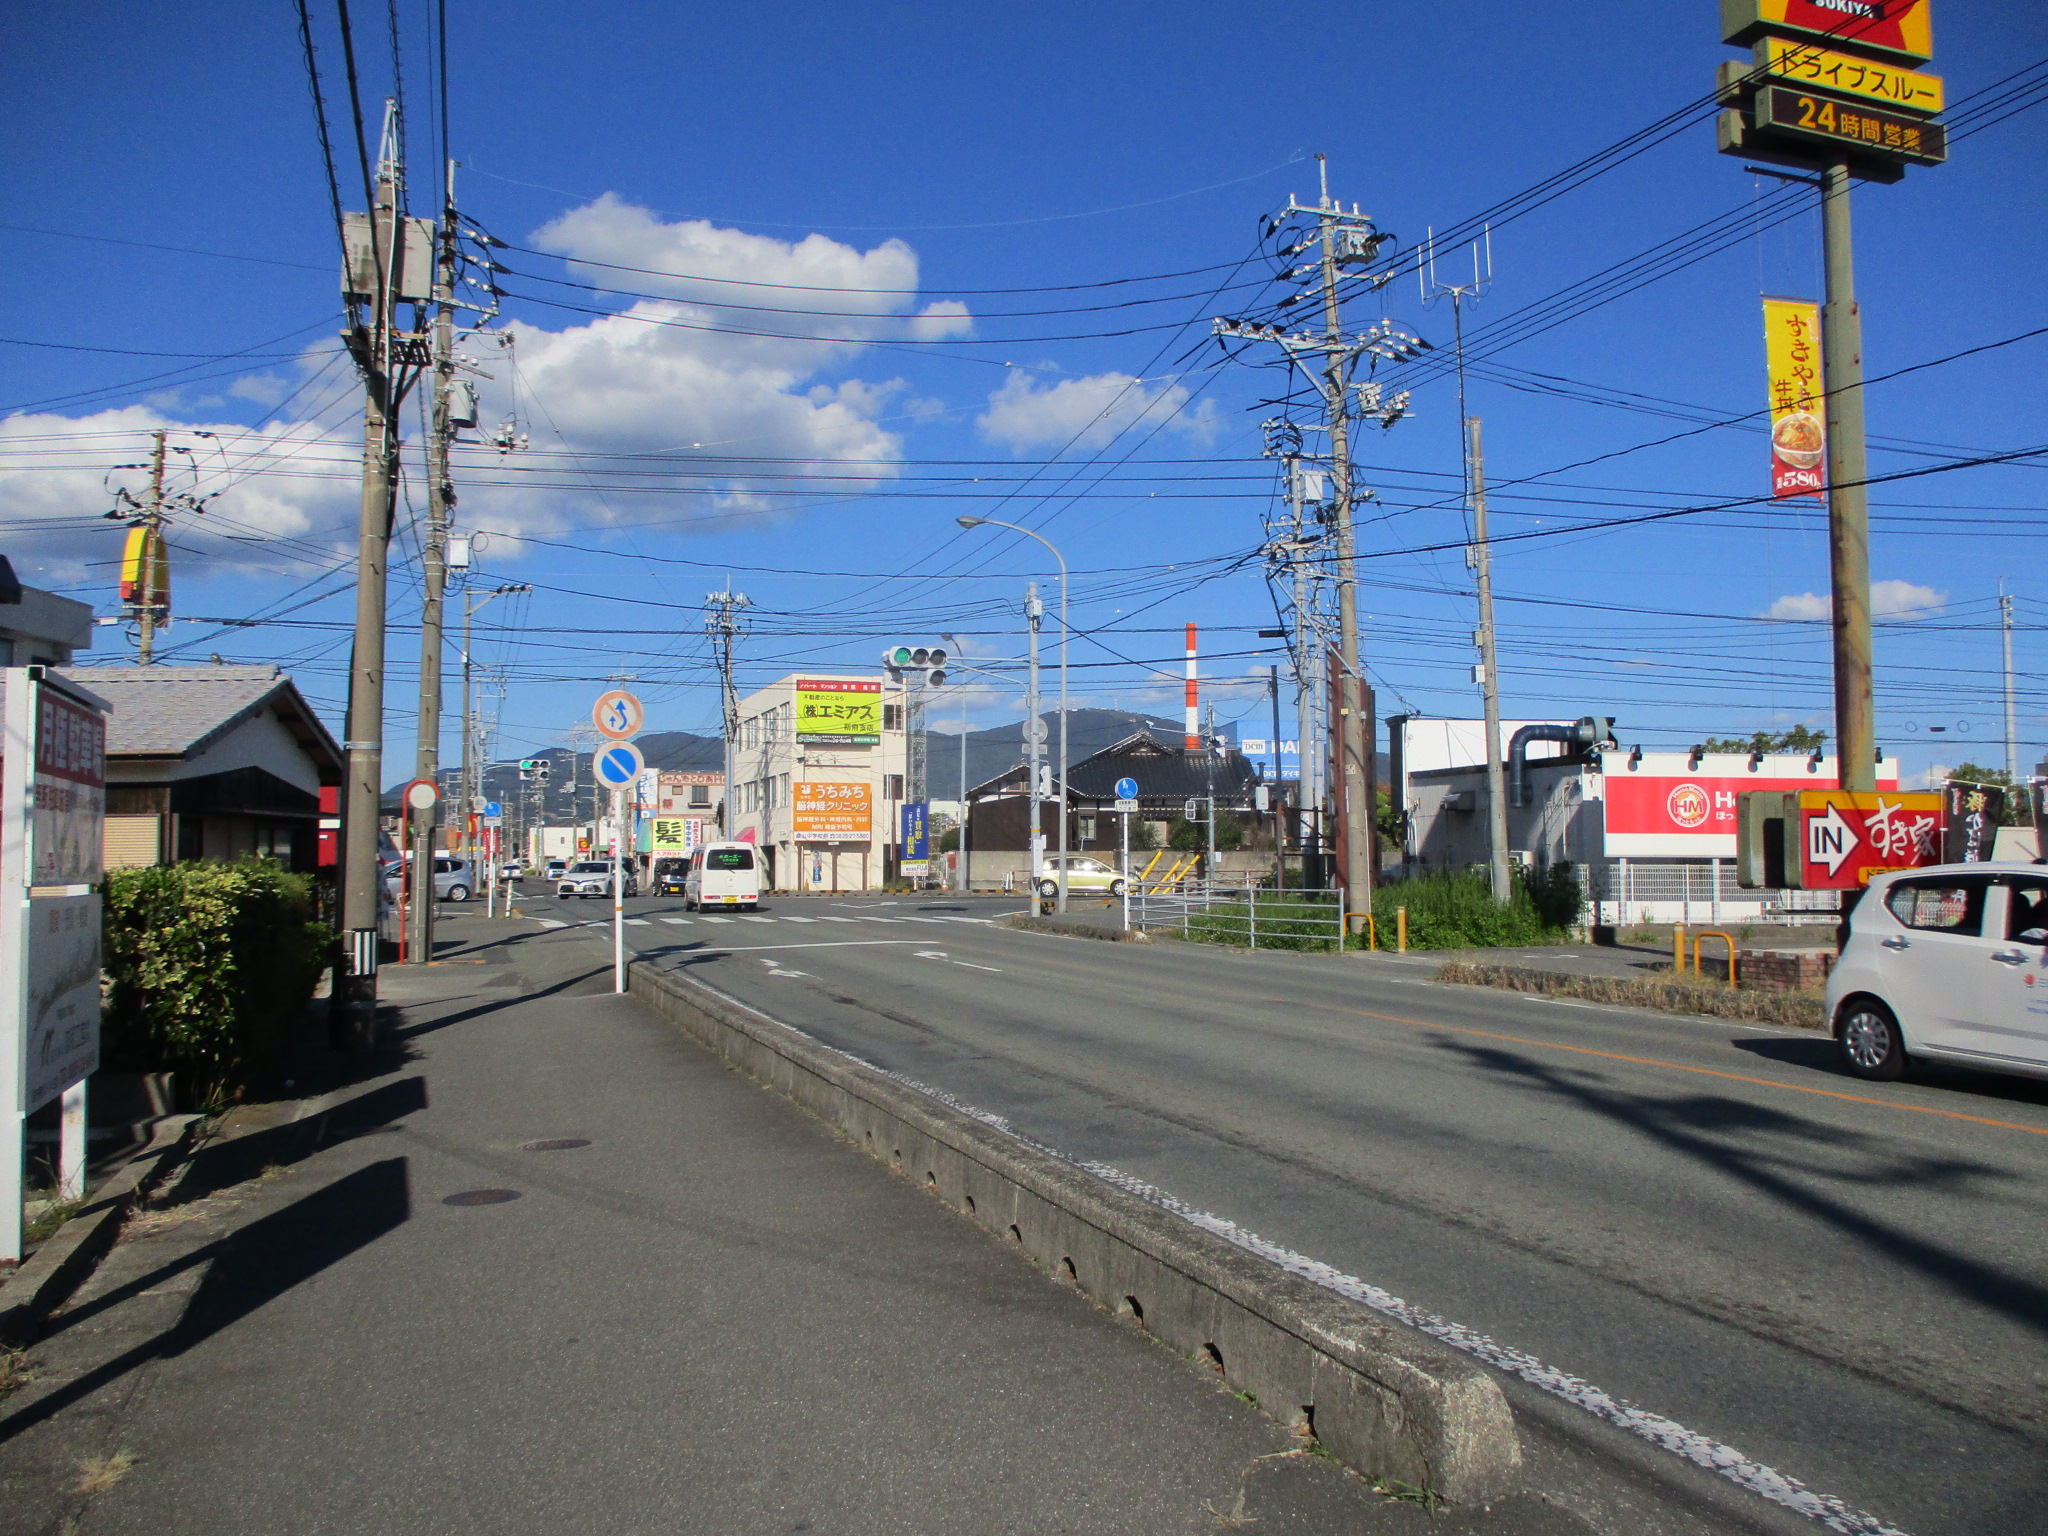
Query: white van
x,y
723,875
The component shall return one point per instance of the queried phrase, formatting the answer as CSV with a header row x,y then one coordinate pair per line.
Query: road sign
x,y
619,765
494,821
617,714
1034,728
422,795
1127,789
1127,807
493,808
1847,836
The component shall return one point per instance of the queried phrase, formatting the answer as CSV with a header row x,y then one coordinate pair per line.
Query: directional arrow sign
x,y
1830,840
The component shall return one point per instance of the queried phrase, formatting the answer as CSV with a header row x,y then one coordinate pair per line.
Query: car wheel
x,y
1049,889
1869,1037
1116,888
457,893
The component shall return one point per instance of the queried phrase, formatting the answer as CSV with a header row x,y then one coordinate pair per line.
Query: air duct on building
x,y
1583,735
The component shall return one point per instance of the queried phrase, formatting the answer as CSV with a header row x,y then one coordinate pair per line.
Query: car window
x,y
2026,910
730,858
1943,906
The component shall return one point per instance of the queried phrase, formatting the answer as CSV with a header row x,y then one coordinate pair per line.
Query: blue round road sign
x,y
1127,789
493,808
618,766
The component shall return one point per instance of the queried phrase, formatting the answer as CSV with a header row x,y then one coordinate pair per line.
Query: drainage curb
x,y
1379,1396
60,1265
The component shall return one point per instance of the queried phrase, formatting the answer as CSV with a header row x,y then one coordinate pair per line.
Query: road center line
x,y
1671,1066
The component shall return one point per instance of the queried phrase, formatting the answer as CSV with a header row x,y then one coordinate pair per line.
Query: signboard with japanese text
x,y
915,845
1824,68
1850,126
838,712
677,834
1688,816
1971,814
832,812
53,739
1893,29
1799,441
1847,836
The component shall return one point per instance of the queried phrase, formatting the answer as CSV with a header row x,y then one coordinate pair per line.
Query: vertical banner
x,y
1971,814
916,846
1799,444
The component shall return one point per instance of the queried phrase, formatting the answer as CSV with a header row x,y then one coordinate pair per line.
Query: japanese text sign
x,y
835,812
1970,817
838,712
1851,76
1898,29
1849,126
1799,443
1847,836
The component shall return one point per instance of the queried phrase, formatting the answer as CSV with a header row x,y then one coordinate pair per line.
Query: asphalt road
x,y
1846,1281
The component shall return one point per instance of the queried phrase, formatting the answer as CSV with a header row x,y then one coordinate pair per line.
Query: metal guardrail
x,y
1246,915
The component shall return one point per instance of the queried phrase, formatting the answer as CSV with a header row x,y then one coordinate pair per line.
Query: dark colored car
x,y
670,874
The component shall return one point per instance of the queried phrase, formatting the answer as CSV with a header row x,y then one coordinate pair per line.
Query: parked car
x,y
454,879
671,875
554,869
1948,963
723,875
593,877
1083,874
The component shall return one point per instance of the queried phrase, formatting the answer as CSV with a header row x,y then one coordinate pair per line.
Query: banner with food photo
x,y
1799,444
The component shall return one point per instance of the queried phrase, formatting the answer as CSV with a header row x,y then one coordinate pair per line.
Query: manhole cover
x,y
482,1197
555,1144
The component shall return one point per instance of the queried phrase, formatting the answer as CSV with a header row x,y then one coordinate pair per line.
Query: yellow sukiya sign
x,y
1798,434
1898,29
1831,71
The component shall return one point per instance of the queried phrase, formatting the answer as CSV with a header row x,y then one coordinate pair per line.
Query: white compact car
x,y
1948,963
591,877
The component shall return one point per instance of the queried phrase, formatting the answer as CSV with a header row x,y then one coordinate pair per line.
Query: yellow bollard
x,y
1401,929
1678,950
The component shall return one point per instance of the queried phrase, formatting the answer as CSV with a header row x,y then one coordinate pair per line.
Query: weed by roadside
x,y
44,1217
14,1370
96,1474
1666,994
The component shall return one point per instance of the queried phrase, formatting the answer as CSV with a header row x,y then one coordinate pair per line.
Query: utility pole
x,y
1034,733
722,623
1489,676
1841,361
1344,241
1279,812
152,552
434,581
383,355
2012,735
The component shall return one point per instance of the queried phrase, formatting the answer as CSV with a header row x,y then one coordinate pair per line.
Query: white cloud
x,y
1888,600
1088,412
744,383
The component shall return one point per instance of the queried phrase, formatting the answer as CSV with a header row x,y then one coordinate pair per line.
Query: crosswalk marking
x,y
710,919
757,919
835,919
638,922
680,922
551,922
799,919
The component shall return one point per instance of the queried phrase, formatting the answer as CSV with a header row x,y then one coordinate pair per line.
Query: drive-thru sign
x,y
1834,839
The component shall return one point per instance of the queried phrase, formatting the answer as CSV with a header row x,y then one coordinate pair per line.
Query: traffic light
x,y
902,660
527,765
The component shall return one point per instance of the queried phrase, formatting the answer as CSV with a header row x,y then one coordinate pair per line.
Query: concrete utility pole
x,y
434,581
1345,240
1489,677
1841,357
1034,731
2012,735
152,553
722,623
375,344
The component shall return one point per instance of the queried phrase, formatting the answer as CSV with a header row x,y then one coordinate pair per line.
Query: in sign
x,y
617,714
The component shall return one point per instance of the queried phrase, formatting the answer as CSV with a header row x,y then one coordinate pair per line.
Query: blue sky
x,y
947,155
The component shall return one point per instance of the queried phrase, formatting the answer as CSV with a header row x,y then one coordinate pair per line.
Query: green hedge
x,y
1456,910
209,968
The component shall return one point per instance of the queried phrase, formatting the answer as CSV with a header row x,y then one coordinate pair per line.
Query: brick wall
x,y
1783,970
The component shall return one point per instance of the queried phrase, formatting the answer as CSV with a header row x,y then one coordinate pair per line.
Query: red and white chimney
x,y
1194,728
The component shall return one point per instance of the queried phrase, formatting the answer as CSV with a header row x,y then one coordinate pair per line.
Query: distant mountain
x,y
1001,747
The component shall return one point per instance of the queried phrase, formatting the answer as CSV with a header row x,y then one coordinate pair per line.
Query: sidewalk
x,y
557,1269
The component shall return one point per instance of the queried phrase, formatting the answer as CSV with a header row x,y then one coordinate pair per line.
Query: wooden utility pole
x,y
1496,776
152,553
1841,361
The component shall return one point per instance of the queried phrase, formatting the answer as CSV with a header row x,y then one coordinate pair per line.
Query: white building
x,y
817,785
1653,833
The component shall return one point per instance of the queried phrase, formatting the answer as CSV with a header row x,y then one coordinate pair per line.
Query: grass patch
x,y
14,1370
96,1474
1795,1010
1446,910
51,1215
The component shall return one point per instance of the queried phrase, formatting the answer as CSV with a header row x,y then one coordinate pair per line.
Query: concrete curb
x,y
1379,1396
60,1265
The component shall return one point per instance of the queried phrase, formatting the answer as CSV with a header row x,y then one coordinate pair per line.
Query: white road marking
x,y
1702,1450
748,949
638,922
775,969
837,919
757,919
551,922
940,954
799,919
710,919
680,922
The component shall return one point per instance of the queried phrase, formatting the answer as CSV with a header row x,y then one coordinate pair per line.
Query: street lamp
x,y
990,522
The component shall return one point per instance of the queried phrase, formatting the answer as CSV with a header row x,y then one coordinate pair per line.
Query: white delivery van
x,y
723,875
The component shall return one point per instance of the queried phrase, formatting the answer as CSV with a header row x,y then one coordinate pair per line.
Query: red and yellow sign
x,y
1846,836
1828,70
1799,441
835,812
146,564
1899,29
